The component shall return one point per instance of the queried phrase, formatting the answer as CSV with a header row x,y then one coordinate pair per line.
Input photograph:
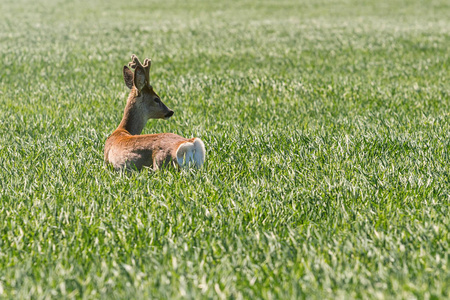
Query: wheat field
x,y
326,125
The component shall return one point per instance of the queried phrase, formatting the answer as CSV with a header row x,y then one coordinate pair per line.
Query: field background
x,y
327,131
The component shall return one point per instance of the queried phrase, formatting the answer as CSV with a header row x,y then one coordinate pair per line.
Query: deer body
x,y
127,149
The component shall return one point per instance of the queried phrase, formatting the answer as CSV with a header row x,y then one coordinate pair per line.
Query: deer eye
x,y
157,100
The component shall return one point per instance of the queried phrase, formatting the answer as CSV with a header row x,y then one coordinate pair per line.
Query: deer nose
x,y
169,114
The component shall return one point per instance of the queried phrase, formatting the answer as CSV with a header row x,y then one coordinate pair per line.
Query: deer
x,y
127,149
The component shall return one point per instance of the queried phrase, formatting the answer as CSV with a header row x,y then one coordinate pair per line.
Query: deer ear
x,y
128,77
139,78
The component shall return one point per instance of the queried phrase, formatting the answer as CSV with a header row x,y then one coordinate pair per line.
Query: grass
x,y
327,136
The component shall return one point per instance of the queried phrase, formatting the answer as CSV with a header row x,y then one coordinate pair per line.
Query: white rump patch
x,y
191,154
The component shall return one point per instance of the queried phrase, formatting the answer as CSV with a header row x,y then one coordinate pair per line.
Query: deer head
x,y
143,99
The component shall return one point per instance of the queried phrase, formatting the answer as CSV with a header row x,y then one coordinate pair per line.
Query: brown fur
x,y
125,148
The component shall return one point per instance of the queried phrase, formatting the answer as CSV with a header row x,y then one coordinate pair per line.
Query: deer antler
x,y
134,62
146,66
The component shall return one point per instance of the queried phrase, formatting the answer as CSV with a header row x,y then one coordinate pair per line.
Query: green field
x,y
326,125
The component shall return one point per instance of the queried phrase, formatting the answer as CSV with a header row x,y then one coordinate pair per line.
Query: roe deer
x,y
127,149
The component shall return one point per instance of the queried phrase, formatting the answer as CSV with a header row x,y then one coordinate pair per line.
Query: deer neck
x,y
134,116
